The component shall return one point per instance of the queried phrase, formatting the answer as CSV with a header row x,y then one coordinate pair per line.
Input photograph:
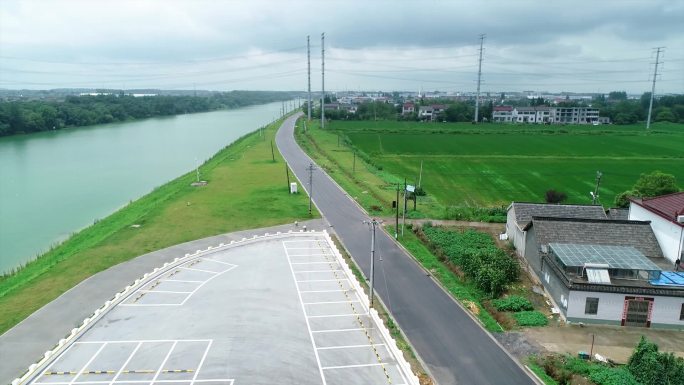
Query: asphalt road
x,y
453,346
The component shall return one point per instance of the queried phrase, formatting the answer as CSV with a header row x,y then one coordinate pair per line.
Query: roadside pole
x,y
403,223
396,226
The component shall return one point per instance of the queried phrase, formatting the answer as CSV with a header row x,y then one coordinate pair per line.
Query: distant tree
x,y
654,184
617,95
665,115
553,196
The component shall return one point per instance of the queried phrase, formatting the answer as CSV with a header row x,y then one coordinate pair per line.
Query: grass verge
x,y
466,293
246,189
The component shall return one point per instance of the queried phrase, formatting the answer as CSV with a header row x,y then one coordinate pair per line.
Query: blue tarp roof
x,y
669,278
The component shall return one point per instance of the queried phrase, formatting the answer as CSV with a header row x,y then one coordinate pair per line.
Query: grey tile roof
x,y
637,234
525,211
618,214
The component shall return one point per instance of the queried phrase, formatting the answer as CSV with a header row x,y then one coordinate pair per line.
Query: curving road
x,y
453,346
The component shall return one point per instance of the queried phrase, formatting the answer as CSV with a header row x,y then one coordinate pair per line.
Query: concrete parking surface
x,y
273,310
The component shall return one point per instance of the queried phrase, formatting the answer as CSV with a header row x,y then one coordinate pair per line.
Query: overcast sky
x,y
579,46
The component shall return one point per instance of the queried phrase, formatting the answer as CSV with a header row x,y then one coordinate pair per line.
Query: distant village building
x,y
408,108
548,115
431,112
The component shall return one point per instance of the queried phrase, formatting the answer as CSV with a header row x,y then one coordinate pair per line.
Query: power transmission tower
x,y
308,64
479,78
323,80
655,76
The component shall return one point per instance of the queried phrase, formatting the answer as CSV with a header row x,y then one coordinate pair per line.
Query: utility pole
x,y
323,80
420,175
308,66
595,193
403,220
655,75
396,223
311,169
374,223
479,78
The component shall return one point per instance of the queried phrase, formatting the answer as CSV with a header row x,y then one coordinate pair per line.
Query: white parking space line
x,y
181,280
202,270
166,291
228,380
308,326
338,330
199,366
316,271
322,303
349,346
217,261
312,263
121,369
331,316
137,341
161,367
326,291
312,255
325,280
90,361
354,366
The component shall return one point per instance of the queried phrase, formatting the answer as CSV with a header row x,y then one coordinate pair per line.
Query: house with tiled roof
x,y
520,214
666,214
605,271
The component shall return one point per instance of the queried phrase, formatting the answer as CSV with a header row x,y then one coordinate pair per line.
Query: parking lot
x,y
265,311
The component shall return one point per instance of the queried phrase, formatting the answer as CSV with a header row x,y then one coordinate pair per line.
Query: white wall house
x,y
666,214
543,114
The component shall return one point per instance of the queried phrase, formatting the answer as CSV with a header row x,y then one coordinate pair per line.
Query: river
x,y
53,184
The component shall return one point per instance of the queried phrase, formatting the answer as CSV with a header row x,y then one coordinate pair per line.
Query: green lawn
x,y
494,164
246,190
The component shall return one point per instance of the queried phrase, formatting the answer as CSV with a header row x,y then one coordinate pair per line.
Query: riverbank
x,y
246,189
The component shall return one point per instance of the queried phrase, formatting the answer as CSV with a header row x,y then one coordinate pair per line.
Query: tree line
x,y
28,116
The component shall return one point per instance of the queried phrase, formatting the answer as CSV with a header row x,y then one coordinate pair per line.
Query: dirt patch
x,y
519,345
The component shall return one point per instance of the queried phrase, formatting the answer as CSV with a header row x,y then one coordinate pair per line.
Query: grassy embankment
x,y
246,190
492,164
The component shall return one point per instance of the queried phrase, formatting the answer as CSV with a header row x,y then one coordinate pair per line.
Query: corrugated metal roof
x,y
668,206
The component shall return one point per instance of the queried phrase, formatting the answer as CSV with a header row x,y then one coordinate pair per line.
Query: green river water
x,y
53,184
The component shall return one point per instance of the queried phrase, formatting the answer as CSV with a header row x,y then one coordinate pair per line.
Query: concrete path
x,y
453,345
25,344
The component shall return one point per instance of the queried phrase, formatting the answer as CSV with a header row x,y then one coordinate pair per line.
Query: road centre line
x,y
204,271
126,363
322,303
349,346
90,361
355,366
308,326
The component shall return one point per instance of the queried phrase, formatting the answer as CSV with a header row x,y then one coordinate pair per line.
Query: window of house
x,y
591,306
681,313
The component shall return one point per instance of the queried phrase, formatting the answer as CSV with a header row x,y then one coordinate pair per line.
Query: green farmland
x,y
494,164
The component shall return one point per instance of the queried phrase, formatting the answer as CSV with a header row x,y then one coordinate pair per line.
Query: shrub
x,y
553,196
651,367
530,318
513,303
